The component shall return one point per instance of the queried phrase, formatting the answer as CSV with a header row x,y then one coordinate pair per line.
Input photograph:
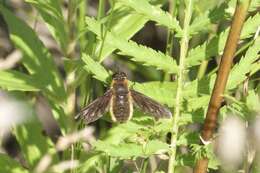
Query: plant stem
x,y
82,8
204,64
169,45
101,9
170,35
202,69
144,165
222,77
70,53
181,74
108,163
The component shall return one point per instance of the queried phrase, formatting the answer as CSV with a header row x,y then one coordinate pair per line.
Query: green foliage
x,y
95,68
154,13
241,69
95,48
131,150
33,143
125,24
137,52
216,45
36,57
51,13
10,165
14,80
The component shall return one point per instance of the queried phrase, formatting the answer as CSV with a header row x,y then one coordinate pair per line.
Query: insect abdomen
x,y
121,104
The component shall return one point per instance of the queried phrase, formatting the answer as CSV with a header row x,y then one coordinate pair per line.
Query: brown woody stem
x,y
222,77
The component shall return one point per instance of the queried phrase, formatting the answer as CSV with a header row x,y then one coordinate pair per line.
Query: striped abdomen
x,y
121,107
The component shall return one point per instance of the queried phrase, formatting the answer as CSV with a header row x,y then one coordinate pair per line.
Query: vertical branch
x,y
82,8
222,76
71,100
101,9
170,35
181,74
70,53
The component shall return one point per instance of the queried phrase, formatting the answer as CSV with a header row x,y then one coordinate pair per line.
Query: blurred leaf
x,y
253,101
188,138
254,4
14,80
154,13
36,58
52,15
71,64
92,163
9,165
138,53
33,144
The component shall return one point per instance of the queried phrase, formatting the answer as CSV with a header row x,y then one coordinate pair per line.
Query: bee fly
x,y
119,100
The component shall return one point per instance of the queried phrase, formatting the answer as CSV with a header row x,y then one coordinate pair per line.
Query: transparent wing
x,y
96,109
148,105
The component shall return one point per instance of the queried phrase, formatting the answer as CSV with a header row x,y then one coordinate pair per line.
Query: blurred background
x,y
236,144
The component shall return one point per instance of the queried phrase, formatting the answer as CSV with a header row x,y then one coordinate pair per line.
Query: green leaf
x,y
188,138
9,165
138,53
253,101
154,13
36,59
124,23
52,15
120,132
95,68
204,21
131,150
240,70
163,92
92,163
254,5
198,102
14,80
155,147
216,45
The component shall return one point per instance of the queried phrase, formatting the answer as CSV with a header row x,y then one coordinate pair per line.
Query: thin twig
x,y
222,77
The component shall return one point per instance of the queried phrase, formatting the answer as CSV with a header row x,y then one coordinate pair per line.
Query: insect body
x,y
119,100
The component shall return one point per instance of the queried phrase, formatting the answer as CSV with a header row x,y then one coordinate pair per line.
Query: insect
x,y
120,100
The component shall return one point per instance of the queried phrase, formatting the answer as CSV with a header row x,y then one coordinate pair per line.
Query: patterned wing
x,y
148,105
96,109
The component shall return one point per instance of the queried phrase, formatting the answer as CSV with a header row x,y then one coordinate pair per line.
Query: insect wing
x,y
96,109
148,105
